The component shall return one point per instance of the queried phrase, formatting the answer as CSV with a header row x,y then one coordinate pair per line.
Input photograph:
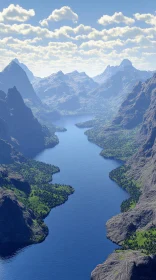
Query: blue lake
x,y
77,239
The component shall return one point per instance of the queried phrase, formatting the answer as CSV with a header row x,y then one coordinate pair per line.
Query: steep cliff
x,y
14,75
126,265
20,128
134,107
135,228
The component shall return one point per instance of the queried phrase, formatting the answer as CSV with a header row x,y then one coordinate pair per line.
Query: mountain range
x,y
133,130
78,92
64,91
126,65
73,92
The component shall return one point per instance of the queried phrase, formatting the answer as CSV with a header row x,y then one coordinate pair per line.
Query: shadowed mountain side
x,y
20,128
14,75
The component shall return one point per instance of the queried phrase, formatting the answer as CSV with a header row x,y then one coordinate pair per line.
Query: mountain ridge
x,y
139,172
18,123
112,70
14,75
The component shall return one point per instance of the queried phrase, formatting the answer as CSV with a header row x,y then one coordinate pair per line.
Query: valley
x,y
77,233
50,119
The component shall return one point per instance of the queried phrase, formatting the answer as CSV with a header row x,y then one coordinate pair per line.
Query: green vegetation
x,y
43,195
116,143
29,181
35,172
120,176
142,240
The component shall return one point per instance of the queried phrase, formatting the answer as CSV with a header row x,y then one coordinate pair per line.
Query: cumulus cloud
x,y
147,18
16,13
77,47
65,13
116,18
101,44
31,30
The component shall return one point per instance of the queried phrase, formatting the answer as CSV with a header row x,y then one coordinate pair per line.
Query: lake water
x,y
77,239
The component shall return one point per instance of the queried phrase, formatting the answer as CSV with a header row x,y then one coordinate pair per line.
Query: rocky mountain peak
x,y
125,63
14,75
11,67
16,60
60,73
29,73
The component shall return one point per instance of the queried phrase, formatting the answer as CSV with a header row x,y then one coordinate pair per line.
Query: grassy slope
x,y
43,196
121,144
120,176
116,143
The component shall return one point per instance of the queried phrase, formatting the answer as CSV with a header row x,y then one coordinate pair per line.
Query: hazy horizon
x,y
77,36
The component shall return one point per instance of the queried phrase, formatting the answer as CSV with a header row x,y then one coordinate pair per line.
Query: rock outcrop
x,y
126,265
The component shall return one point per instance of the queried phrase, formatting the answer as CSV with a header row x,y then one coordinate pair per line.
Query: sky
x,y
67,35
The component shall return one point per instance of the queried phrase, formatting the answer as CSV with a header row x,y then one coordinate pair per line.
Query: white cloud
x,y
117,32
30,30
101,44
65,13
16,13
80,47
147,18
116,18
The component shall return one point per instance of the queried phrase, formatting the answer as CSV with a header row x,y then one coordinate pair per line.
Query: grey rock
x,y
14,75
126,265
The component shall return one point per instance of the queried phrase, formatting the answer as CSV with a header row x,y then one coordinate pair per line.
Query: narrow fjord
x,y
77,235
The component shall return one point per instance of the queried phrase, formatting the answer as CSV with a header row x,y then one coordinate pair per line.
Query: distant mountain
x,y
30,75
81,82
134,107
64,91
126,65
18,126
115,90
14,75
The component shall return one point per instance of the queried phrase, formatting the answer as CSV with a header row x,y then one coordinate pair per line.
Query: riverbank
x,y
77,235
27,191
135,228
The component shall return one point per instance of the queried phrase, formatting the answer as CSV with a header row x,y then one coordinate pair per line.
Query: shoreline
x,y
120,229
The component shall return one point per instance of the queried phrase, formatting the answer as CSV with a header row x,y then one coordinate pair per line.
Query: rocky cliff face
x,y
18,227
20,123
143,169
19,127
139,108
134,107
126,265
